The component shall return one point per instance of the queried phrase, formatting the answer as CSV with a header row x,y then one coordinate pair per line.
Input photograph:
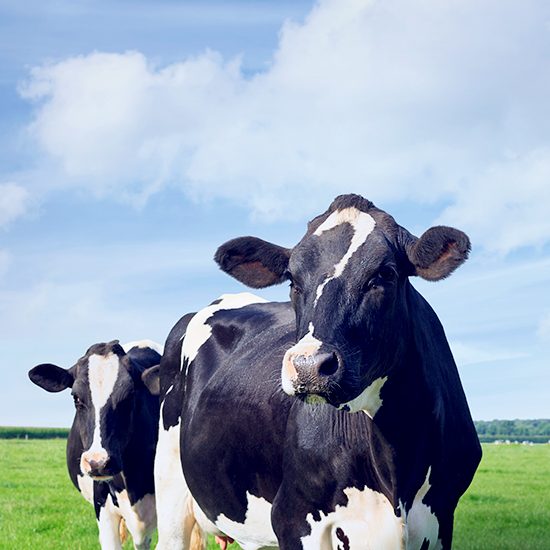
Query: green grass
x,y
507,506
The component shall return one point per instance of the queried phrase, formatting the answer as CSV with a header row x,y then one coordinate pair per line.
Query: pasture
x,y
507,506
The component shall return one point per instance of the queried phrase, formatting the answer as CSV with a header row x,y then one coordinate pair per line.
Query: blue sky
x,y
135,137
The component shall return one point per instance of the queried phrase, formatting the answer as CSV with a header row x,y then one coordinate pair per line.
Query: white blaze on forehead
x,y
362,223
367,520
422,523
102,377
308,345
369,400
199,331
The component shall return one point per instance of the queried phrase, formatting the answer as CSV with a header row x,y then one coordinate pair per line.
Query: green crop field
x,y
507,506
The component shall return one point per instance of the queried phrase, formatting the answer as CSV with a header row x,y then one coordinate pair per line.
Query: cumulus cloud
x,y
434,102
14,202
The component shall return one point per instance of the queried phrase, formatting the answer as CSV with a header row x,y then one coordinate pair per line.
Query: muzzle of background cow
x,y
96,464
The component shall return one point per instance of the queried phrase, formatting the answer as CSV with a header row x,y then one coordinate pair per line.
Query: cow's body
x,y
111,461
268,469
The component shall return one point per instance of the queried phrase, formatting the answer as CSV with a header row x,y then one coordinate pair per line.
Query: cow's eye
x,y
387,273
294,288
78,403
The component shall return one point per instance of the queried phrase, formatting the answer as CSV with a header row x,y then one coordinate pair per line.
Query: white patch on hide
x,y
198,331
367,520
143,344
369,400
256,531
422,523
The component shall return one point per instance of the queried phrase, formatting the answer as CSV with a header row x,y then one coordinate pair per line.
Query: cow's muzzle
x,y
99,466
308,373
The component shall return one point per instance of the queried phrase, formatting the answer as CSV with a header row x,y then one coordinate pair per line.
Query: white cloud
x,y
421,101
14,202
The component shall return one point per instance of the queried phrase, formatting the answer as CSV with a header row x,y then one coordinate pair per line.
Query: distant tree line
x,y
537,430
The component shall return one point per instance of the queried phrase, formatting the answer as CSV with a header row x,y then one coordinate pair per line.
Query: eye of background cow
x,y
78,403
294,287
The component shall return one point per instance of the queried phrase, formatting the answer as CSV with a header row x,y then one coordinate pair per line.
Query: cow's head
x,y
349,286
105,385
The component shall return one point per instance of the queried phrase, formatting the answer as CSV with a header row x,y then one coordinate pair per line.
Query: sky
x,y
136,137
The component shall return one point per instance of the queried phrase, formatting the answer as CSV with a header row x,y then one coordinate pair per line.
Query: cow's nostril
x,y
328,365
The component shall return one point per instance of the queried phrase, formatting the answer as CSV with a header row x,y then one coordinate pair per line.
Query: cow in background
x,y
112,441
337,420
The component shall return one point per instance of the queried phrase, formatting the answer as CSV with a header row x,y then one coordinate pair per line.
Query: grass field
x,y
507,506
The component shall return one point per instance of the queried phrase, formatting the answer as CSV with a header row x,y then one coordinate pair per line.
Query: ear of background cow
x,y
151,379
438,252
254,262
51,377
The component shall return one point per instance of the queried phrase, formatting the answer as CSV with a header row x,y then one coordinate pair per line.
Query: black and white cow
x,y
112,442
337,420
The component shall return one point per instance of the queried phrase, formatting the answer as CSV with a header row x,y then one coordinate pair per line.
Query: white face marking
x,y
143,344
368,521
421,522
102,377
198,331
308,345
256,531
369,400
362,223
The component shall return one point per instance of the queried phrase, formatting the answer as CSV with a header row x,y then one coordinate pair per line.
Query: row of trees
x,y
534,430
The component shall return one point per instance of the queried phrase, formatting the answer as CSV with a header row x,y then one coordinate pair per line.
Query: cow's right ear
x,y
254,262
151,378
51,377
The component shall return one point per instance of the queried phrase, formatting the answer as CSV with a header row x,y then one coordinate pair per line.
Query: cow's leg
x,y
175,518
140,518
108,523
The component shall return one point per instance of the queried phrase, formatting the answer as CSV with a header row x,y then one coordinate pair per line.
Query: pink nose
x,y
95,464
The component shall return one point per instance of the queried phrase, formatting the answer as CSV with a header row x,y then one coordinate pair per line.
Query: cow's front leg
x,y
108,523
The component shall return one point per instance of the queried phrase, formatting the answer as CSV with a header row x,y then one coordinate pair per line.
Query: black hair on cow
x,y
438,252
350,201
254,262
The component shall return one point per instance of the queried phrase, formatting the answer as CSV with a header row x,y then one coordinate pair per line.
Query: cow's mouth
x,y
101,477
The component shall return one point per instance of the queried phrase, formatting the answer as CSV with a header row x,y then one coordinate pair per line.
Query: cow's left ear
x,y
438,252
51,377
254,262
151,379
